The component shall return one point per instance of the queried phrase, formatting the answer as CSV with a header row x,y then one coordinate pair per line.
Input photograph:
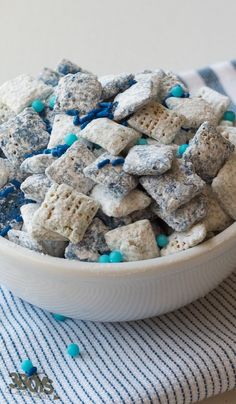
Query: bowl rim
x,y
160,265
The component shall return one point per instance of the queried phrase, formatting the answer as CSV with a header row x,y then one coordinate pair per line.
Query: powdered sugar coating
x,y
66,66
62,125
216,219
219,102
68,169
114,178
5,113
224,186
92,244
7,172
120,206
113,84
22,135
148,160
21,91
208,151
27,213
195,111
158,122
36,186
168,81
37,164
180,241
78,91
175,187
49,77
55,249
186,216
228,132
109,135
135,241
65,212
136,96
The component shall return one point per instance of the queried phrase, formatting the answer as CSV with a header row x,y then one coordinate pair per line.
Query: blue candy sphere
x,y
59,317
162,240
73,350
229,116
116,256
104,259
142,141
182,148
70,139
52,101
32,371
177,91
38,105
26,365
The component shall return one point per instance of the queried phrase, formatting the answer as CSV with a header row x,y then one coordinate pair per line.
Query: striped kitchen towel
x,y
177,358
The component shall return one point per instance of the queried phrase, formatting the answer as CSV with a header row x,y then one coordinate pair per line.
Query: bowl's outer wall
x,y
131,296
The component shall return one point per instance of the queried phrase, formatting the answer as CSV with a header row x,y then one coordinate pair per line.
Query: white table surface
x,y
226,398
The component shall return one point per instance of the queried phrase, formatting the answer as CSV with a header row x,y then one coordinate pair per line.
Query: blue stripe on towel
x,y
233,62
209,75
211,79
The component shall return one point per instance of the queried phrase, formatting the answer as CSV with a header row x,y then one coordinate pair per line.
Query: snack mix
x,y
124,167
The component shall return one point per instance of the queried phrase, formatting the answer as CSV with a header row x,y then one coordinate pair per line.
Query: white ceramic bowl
x,y
117,292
